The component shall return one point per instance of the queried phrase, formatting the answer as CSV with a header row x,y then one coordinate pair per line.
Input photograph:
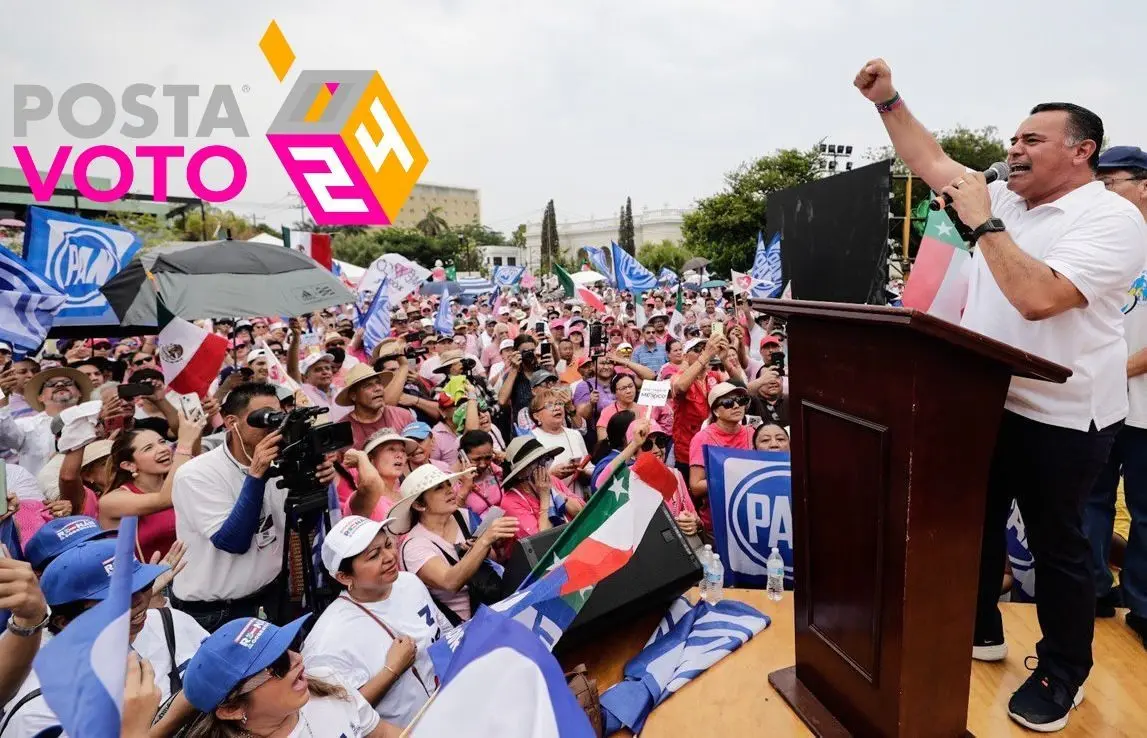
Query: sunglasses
x,y
141,362
660,441
727,403
59,384
336,344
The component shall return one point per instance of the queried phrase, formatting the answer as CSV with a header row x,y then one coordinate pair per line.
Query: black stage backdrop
x,y
834,235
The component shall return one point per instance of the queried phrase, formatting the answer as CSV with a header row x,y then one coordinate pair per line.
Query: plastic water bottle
x,y
775,566
715,588
705,556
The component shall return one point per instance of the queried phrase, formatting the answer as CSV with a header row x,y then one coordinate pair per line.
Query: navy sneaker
x,y
1044,701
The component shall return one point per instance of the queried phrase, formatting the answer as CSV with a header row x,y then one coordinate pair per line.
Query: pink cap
x,y
653,428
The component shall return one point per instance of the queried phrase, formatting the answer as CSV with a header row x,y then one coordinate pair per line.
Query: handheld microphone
x,y
998,171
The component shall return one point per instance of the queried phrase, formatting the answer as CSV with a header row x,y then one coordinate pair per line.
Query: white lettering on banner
x,y
778,520
654,394
336,175
390,143
403,275
542,626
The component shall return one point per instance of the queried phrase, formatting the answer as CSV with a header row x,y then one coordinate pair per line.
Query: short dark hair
x,y
1082,125
29,360
239,398
472,439
524,338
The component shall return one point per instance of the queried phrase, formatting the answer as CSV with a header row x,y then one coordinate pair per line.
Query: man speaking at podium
x,y
1055,254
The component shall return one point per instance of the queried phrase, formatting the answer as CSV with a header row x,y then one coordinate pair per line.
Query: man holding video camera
x,y
516,391
232,519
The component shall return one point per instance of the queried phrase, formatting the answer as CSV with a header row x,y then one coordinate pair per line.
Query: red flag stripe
x,y
202,368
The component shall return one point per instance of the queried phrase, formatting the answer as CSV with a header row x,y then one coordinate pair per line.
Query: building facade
x,y
649,226
458,206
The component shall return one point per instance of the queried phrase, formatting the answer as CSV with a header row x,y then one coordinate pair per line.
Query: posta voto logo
x,y
343,141
339,135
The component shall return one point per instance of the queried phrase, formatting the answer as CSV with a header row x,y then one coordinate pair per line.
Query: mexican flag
x,y
189,356
938,282
600,541
315,245
576,291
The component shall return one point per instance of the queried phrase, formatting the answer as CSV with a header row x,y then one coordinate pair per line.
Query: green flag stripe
x,y
610,498
941,228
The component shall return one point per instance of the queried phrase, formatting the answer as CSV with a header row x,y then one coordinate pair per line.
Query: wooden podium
x,y
894,417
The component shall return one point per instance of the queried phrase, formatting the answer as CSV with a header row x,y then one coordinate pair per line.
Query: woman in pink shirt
x,y
531,494
380,467
483,489
727,403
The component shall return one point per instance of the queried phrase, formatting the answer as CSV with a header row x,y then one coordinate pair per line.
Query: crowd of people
x,y
461,443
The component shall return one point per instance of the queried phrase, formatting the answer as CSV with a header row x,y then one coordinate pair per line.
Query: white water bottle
x,y
775,566
705,556
715,589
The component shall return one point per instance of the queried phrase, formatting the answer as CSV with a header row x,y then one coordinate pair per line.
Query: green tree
x,y
151,230
976,149
433,224
626,237
518,237
549,238
656,255
361,249
621,228
724,227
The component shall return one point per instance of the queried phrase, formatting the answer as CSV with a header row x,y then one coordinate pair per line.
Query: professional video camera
x,y
304,448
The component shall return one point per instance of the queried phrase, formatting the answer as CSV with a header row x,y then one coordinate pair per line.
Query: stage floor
x,y
734,698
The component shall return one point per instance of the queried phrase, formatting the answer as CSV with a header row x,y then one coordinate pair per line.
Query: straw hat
x,y
383,436
452,357
419,481
36,384
387,347
358,374
523,451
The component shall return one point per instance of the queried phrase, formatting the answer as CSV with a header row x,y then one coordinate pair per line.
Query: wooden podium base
x,y
821,722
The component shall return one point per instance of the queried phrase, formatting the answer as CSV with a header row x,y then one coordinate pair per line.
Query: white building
x,y
648,226
496,256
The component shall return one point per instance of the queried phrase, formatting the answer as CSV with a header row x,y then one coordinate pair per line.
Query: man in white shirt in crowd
x,y
1055,252
13,378
1123,170
232,519
49,393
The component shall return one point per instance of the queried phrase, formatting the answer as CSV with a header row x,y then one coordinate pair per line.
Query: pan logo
x,y
343,141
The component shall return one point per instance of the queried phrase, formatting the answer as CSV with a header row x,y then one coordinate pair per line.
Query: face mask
x,y
339,354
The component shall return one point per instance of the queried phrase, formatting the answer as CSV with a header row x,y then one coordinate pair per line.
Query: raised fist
x,y
874,80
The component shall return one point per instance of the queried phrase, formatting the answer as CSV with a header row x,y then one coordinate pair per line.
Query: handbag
x,y
585,691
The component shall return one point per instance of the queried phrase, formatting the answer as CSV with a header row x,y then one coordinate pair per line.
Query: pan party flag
x,y
938,282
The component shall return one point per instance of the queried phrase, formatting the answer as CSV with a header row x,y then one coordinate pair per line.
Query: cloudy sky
x,y
587,102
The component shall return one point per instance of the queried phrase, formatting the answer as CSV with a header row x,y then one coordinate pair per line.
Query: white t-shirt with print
x,y
350,643
333,717
150,644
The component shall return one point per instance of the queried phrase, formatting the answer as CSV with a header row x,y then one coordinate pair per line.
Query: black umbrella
x,y
222,279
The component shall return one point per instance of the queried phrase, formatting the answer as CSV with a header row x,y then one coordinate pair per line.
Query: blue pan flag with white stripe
x,y
628,272
667,277
687,641
376,319
750,494
444,320
500,656
82,670
28,305
597,260
79,256
767,267
508,276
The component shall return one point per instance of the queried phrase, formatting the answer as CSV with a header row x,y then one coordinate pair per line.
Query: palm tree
x,y
433,224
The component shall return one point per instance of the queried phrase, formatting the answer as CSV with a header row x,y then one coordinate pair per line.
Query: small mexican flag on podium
x,y
938,282
189,356
315,245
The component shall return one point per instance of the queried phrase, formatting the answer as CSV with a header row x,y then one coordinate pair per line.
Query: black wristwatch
x,y
991,225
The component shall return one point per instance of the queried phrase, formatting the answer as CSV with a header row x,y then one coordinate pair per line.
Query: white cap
x,y
507,343
427,322
690,345
259,354
625,345
722,389
5,347
349,537
307,362
503,310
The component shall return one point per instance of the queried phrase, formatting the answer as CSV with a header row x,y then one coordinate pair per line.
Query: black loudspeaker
x,y
834,235
662,568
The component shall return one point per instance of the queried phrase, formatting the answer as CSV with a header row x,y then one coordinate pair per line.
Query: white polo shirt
x,y
203,494
1098,240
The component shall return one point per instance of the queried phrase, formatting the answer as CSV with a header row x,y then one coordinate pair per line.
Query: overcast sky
x,y
587,102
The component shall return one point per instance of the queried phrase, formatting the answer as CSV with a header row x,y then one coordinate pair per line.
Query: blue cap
x,y
240,649
417,429
1123,157
59,535
84,572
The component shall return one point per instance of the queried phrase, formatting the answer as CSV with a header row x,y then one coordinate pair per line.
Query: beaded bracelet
x,y
889,105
